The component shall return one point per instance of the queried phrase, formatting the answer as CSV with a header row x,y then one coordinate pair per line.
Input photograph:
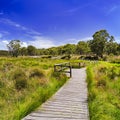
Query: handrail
x,y
78,64
62,67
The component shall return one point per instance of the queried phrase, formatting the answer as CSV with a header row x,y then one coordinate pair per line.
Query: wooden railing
x,y
67,67
77,64
63,67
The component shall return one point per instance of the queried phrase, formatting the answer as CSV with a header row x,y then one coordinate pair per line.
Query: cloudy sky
x,y
47,23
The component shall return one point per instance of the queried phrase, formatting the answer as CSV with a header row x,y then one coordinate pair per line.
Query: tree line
x,y
102,43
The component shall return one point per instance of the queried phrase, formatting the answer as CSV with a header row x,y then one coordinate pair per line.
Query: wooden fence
x,y
63,67
67,67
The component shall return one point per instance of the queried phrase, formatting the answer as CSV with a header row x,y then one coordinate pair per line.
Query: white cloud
x,y
24,44
70,41
38,42
77,8
18,26
41,42
12,23
75,40
86,38
4,32
117,39
112,9
5,41
3,44
33,32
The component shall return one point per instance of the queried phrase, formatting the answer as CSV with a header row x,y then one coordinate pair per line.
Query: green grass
x,y
25,83
104,91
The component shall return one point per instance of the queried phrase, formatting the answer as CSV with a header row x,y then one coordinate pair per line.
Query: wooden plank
x,y
69,103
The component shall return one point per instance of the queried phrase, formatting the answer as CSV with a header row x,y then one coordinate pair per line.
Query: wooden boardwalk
x,y
69,103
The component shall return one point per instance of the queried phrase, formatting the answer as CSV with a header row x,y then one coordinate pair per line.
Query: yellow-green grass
x,y
104,91
25,83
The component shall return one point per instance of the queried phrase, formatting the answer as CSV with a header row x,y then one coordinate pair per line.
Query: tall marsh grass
x,y
25,83
104,91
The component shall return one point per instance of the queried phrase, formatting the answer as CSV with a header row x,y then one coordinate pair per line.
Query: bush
x,y
82,57
20,79
2,84
103,92
58,75
66,57
103,69
46,56
36,73
101,83
89,58
7,66
113,73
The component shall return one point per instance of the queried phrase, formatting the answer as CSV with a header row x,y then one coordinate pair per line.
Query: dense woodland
x,y
101,44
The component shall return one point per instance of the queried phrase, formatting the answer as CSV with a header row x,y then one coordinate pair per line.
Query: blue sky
x,y
47,23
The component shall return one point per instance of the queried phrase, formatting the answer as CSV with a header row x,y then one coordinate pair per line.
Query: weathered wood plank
x,y
69,103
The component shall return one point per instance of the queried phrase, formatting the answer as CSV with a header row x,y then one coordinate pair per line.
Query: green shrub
x,y
58,75
66,57
104,91
103,69
21,86
46,56
7,66
101,83
113,72
2,84
37,73
39,76
20,79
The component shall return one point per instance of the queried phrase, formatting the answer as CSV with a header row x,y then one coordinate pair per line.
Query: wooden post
x,y
61,67
68,63
54,68
70,71
79,65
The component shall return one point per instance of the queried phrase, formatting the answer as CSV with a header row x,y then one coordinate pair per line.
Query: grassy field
x,y
104,91
25,83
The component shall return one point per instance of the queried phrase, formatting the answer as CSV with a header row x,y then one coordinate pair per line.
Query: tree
x,y
99,41
69,49
118,49
60,50
82,47
53,51
14,47
23,51
111,47
41,51
31,50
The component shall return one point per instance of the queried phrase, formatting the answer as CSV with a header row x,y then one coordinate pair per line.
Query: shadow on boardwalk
x,y
69,103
